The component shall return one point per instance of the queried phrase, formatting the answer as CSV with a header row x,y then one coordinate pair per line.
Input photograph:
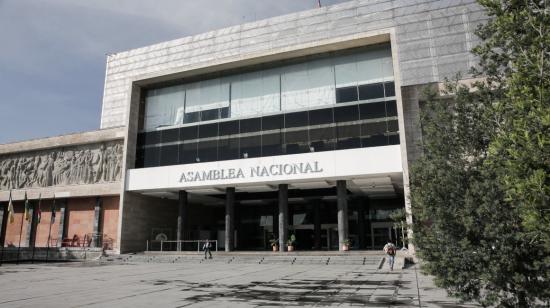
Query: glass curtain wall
x,y
345,126
311,84
332,103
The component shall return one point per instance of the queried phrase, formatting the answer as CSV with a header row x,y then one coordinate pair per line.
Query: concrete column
x,y
342,195
275,208
62,215
4,222
283,216
33,225
229,218
182,216
27,240
96,235
361,222
317,224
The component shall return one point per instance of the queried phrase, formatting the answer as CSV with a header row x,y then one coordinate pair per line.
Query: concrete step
x,y
250,258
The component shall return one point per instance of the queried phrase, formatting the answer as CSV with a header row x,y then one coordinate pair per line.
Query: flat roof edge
x,y
101,135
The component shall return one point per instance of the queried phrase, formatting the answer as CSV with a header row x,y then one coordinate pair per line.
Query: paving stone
x,y
215,284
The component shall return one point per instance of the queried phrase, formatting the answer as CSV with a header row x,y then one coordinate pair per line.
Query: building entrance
x,y
316,218
313,222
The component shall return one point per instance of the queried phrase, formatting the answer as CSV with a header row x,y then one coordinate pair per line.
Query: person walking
x,y
206,247
391,251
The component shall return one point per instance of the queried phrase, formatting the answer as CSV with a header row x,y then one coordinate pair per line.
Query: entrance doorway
x,y
381,232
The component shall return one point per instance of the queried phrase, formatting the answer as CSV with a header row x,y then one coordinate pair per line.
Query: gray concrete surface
x,y
216,284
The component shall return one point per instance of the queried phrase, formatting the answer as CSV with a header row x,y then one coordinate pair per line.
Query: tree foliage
x,y
480,191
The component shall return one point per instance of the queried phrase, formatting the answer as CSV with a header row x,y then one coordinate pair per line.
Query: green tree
x,y
480,191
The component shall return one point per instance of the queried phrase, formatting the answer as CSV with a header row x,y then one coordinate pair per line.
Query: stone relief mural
x,y
84,164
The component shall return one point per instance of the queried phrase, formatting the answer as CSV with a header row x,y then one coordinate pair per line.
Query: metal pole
x,y
147,248
161,245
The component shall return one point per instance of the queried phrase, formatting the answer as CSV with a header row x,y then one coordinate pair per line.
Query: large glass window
x,y
189,133
327,102
251,125
322,139
151,157
321,116
164,107
255,93
169,155
296,119
188,153
228,148
251,146
365,74
317,130
272,136
297,141
307,85
208,130
272,144
207,151
228,128
207,94
273,122
170,135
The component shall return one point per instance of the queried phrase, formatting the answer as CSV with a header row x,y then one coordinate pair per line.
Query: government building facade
x,y
303,126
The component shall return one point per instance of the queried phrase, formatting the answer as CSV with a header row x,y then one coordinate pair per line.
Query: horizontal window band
x,y
271,132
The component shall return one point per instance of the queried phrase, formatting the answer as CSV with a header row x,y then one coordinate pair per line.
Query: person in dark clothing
x,y
206,247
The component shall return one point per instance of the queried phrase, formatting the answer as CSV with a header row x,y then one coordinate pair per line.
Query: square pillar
x,y
317,224
4,222
33,225
283,216
27,242
182,216
96,235
362,224
342,196
63,221
229,218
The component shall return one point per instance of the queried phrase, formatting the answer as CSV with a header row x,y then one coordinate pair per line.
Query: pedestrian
x,y
206,247
390,250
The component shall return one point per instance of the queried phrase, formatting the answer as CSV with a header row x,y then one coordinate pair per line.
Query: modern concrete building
x,y
304,124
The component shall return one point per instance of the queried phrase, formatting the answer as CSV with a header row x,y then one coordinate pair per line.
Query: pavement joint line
x,y
123,297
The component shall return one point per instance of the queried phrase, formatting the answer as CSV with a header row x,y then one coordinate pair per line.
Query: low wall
x,y
53,254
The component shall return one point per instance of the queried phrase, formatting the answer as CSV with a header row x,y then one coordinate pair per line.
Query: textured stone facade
x,y
84,164
433,38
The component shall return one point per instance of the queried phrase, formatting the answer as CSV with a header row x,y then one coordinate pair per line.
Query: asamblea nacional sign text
x,y
251,172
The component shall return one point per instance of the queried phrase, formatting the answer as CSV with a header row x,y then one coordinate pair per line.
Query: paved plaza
x,y
212,283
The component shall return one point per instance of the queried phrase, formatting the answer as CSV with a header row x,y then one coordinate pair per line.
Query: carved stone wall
x,y
82,164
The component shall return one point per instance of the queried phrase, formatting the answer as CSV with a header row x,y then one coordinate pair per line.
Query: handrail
x,y
179,246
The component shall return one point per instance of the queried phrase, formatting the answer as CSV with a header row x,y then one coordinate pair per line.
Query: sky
x,y
53,52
